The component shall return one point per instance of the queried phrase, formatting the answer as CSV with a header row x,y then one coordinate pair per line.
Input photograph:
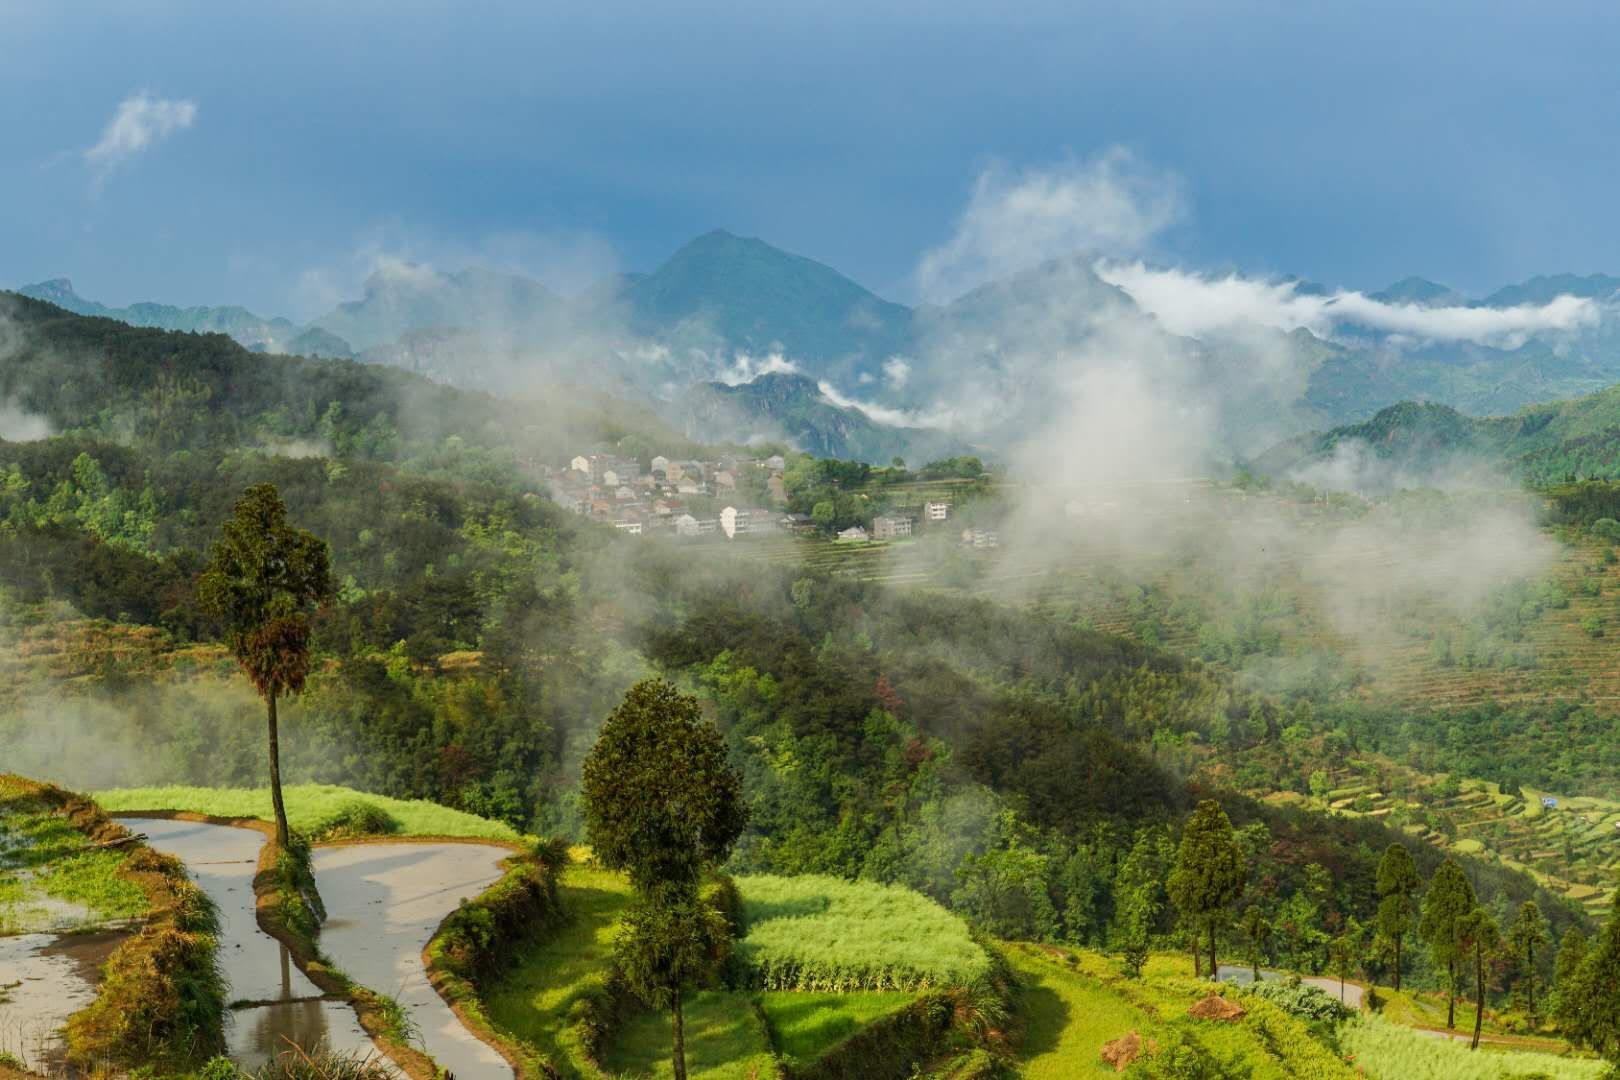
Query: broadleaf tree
x,y
264,580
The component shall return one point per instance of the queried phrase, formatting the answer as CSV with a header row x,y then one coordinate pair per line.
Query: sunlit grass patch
x,y
724,1041
806,1024
534,997
310,808
826,934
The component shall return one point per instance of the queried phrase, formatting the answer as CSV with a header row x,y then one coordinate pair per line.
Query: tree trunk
x,y
1255,963
282,836
680,1038
1479,990
1530,982
1398,962
1214,968
1198,958
1451,995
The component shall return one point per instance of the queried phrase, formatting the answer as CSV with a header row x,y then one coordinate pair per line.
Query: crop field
x,y
535,998
1572,847
311,808
825,934
1389,1051
1077,1002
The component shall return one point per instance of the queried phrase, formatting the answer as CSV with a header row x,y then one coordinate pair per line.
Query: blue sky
x,y
1350,143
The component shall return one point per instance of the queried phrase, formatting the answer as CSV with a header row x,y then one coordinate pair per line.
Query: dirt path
x,y
286,1005
384,902
1350,994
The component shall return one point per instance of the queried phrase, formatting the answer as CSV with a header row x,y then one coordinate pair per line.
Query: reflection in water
x,y
44,979
284,1007
386,900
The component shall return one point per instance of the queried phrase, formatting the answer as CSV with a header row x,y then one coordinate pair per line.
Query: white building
x,y
853,534
686,525
937,511
735,522
631,527
581,464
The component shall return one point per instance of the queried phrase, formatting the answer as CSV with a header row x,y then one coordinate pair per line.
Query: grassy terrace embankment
x,y
902,940
311,809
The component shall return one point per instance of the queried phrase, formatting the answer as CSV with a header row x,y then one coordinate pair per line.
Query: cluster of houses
x,y
676,498
662,498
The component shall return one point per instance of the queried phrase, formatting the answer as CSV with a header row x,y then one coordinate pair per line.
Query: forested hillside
x,y
1030,773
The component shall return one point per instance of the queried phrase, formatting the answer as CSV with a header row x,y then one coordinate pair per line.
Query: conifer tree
x,y
1566,976
1526,938
1209,872
1477,938
1398,881
1449,901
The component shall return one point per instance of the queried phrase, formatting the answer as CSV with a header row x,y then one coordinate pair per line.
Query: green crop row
x,y
828,935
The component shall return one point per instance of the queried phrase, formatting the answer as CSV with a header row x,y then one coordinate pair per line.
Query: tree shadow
x,y
1048,1015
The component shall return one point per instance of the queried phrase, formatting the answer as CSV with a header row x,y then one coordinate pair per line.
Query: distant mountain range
x,y
723,308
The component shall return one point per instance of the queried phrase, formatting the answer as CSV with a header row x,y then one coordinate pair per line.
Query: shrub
x,y
1305,1002
325,1065
356,818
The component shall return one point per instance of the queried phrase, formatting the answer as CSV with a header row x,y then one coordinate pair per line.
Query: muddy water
x,y
384,901
285,1007
44,979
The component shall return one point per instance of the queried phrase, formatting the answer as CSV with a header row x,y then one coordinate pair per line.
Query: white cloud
x,y
883,414
895,372
140,122
1196,306
1112,204
745,368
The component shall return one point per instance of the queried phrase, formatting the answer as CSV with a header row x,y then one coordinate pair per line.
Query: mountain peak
x,y
1421,291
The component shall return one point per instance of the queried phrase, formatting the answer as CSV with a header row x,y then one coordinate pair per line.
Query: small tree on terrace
x,y
1208,873
1449,901
1398,881
265,579
662,804
1527,937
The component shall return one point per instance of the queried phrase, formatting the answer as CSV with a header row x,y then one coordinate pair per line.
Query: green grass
x,y
807,1025
816,933
1388,1051
724,1041
1069,1017
43,858
532,999
309,807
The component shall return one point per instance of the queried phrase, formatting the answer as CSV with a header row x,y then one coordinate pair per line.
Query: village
x,y
730,497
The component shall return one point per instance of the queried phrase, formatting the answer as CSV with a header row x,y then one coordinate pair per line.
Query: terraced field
x,y
1572,847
